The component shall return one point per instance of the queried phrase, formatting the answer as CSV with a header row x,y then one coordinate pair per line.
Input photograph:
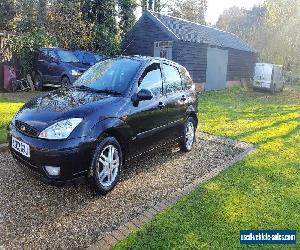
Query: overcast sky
x,y
216,7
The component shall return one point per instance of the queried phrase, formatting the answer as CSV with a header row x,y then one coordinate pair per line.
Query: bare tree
x,y
192,10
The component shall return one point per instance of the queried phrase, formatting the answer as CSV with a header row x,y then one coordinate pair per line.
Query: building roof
x,y
193,32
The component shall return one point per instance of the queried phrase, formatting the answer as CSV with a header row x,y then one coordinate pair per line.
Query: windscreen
x,y
112,74
67,56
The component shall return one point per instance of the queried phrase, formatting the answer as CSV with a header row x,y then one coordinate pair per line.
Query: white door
x,y
216,71
163,49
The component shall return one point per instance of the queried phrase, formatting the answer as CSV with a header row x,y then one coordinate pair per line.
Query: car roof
x,y
54,48
84,51
149,59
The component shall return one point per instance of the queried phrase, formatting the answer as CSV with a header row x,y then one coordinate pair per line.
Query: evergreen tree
x,y
157,5
127,15
144,4
192,10
151,5
26,16
66,23
7,13
42,13
102,14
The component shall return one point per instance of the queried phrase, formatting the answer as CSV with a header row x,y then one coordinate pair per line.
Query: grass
x,y
10,103
260,192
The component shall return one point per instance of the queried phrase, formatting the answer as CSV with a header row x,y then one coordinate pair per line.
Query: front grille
x,y
20,159
29,168
26,129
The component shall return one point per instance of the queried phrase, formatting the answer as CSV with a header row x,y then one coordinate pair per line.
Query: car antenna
x,y
127,46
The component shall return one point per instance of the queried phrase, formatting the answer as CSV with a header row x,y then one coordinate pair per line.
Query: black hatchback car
x,y
119,108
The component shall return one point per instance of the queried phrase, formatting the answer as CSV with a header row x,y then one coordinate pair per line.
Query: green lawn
x,y
9,104
260,192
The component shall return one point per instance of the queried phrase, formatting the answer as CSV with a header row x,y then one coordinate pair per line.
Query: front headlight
x,y
60,130
75,72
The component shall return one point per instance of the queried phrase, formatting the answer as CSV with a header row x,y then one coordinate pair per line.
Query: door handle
x,y
161,105
183,98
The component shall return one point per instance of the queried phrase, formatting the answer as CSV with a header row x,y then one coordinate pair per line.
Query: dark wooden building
x,y
215,58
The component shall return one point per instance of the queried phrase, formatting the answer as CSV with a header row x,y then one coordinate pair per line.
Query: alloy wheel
x,y
108,165
189,135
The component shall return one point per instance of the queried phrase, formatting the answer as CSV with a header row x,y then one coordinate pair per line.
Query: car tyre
x,y
273,89
106,165
65,82
38,82
281,90
189,135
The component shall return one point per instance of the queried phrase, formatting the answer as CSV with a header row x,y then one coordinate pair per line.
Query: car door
x,y
148,118
176,99
42,64
54,69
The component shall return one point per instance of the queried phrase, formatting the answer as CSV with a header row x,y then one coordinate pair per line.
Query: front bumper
x,y
73,156
256,88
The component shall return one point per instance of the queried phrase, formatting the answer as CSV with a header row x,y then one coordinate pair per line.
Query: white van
x,y
268,77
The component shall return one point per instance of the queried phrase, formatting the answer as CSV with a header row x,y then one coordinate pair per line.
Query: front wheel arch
x,y
116,128
94,168
121,139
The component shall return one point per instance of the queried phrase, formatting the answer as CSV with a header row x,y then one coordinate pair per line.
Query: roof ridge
x,y
187,21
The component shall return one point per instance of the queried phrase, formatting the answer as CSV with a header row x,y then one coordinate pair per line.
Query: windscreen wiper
x,y
84,88
105,91
108,91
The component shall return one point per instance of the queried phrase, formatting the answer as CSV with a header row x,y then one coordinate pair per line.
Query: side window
x,y
173,79
43,55
152,80
87,58
79,55
52,56
187,81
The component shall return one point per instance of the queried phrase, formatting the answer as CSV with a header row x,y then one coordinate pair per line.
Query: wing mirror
x,y
142,95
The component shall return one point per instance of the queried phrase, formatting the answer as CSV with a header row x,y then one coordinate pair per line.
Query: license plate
x,y
20,147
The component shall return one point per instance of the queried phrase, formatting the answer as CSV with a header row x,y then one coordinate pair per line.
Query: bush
x,y
291,78
23,46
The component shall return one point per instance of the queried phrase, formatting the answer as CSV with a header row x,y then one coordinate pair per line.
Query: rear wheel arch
x,y
37,72
194,116
38,78
192,112
64,76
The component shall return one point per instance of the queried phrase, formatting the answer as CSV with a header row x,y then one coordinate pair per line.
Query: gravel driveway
x,y
37,216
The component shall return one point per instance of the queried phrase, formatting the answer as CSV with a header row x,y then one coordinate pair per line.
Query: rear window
x,y
172,79
263,72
